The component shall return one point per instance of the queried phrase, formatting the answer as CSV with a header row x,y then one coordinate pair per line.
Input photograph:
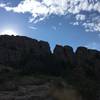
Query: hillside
x,y
22,58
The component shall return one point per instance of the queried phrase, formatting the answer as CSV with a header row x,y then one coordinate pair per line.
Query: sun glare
x,y
8,32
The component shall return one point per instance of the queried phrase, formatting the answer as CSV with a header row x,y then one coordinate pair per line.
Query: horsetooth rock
x,y
13,49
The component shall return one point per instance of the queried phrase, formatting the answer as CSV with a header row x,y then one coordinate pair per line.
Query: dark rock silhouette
x,y
65,53
26,55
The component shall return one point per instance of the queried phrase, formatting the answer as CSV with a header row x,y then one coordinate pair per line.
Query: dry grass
x,y
64,93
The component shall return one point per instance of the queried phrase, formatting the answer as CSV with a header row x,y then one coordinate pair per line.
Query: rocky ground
x,y
30,88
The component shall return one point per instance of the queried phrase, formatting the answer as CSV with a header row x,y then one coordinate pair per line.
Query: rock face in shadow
x,y
64,53
14,49
80,68
89,60
18,51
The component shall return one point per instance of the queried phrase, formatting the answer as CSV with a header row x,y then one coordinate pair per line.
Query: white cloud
x,y
41,10
92,26
60,24
99,36
47,7
80,17
2,5
33,28
75,23
93,45
54,28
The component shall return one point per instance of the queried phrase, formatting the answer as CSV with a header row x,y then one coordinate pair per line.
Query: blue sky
x,y
66,22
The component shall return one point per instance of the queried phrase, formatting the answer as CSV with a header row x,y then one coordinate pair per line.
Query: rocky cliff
x,y
27,56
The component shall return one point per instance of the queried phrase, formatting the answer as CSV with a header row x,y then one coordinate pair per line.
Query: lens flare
x,y
8,32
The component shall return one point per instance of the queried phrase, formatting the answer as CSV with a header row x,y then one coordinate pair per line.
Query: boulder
x,y
69,53
65,53
81,56
59,52
13,49
44,48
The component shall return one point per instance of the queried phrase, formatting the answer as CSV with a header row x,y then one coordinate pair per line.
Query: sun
x,y
8,32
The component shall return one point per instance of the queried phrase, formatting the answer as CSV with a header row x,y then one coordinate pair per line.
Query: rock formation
x,y
80,68
64,53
